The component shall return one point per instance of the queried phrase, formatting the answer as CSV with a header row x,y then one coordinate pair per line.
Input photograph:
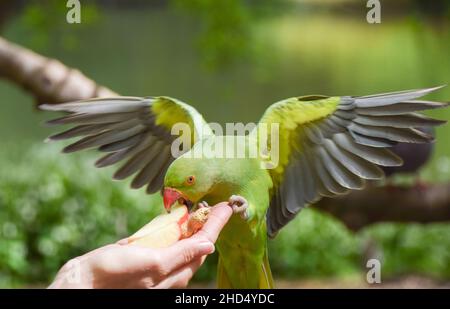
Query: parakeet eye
x,y
190,180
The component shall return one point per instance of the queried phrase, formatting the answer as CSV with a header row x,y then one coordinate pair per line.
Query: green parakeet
x,y
327,147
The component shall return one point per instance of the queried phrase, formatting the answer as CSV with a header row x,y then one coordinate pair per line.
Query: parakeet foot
x,y
239,206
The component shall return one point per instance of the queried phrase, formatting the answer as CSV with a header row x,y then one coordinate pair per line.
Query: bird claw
x,y
203,204
239,206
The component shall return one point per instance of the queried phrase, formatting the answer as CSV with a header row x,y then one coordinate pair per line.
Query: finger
x,y
182,253
218,217
181,277
135,259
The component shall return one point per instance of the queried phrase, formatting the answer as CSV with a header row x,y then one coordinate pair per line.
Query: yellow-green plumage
x,y
291,114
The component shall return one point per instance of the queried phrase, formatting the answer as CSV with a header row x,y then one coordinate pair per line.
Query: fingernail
x,y
206,247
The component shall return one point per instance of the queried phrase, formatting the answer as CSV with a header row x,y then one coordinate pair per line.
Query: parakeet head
x,y
188,180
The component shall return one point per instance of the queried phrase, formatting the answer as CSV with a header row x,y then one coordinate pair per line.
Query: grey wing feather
x,y
404,135
124,143
338,153
139,161
371,140
124,128
342,175
329,183
400,108
379,156
151,169
158,181
91,119
104,138
310,189
117,156
78,131
358,166
393,97
100,106
400,121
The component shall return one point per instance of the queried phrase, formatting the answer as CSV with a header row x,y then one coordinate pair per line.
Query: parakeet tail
x,y
265,276
223,282
265,280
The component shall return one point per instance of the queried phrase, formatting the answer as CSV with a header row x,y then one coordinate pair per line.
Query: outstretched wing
x,y
133,130
331,145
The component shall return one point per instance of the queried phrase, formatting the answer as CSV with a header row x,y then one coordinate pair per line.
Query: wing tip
x,y
66,151
271,233
431,89
53,122
53,107
398,162
136,184
46,107
71,148
437,122
115,177
427,90
119,175
101,162
55,137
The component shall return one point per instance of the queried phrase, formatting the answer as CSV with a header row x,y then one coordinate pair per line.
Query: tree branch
x,y
390,204
48,80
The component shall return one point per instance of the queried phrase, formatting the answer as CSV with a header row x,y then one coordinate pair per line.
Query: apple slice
x,y
178,215
166,229
160,238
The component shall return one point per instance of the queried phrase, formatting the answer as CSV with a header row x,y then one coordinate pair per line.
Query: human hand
x,y
128,266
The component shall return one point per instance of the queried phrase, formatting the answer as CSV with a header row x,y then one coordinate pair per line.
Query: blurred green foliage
x,y
54,207
413,248
39,18
227,34
315,245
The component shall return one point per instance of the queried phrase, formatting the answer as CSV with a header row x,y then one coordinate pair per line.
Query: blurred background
x,y
230,59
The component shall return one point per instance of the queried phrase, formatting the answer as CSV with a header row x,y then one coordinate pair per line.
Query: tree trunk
x,y
358,209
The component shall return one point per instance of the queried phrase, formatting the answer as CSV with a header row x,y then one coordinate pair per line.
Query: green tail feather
x,y
265,280
265,277
223,282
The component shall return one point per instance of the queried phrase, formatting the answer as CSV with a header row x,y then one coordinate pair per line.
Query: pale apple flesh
x,y
166,229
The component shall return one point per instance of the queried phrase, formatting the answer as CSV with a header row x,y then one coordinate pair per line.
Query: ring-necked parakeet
x,y
327,147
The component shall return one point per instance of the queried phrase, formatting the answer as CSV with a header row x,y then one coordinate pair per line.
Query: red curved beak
x,y
170,196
